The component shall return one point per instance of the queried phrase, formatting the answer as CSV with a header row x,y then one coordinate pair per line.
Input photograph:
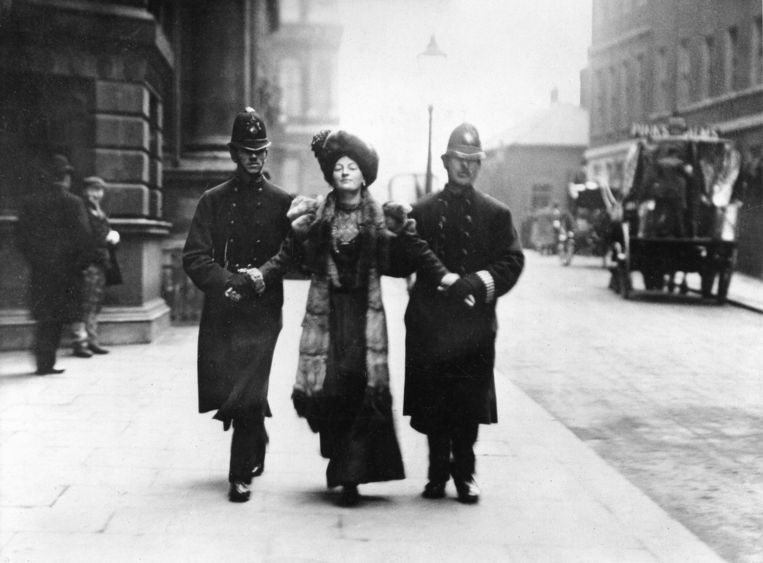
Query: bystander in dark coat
x,y
54,236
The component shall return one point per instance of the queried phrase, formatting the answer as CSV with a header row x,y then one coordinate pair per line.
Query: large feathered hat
x,y
330,146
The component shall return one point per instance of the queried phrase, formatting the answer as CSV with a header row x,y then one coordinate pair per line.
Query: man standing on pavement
x,y
451,331
55,238
237,227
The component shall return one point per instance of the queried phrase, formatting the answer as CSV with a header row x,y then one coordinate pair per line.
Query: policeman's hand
x,y
241,284
232,295
258,281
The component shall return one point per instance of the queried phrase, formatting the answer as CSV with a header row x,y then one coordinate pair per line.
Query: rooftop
x,y
559,124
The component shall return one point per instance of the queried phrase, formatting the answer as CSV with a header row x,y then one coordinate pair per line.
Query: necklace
x,y
345,227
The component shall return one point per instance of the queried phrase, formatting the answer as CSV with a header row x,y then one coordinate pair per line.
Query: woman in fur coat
x,y
346,241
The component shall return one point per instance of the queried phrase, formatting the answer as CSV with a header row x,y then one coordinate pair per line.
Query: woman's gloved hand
x,y
302,214
396,215
302,205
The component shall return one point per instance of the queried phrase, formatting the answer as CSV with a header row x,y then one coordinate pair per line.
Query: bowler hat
x,y
330,146
60,166
249,132
464,142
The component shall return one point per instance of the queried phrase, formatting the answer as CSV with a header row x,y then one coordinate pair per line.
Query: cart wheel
x,y
625,284
724,280
707,279
568,251
624,264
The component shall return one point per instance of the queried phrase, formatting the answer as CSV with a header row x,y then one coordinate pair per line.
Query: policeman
x,y
237,226
450,347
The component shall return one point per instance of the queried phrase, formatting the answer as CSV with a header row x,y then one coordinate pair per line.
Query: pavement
x,y
110,461
746,290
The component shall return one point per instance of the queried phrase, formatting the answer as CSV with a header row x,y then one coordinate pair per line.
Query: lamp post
x,y
431,62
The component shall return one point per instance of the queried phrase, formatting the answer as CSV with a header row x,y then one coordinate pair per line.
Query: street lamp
x,y
431,63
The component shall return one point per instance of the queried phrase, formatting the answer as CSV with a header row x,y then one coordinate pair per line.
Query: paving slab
x,y
111,462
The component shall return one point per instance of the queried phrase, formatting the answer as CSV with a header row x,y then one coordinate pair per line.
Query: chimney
x,y
554,95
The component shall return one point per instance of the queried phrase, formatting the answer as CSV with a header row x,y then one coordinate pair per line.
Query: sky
x,y
503,59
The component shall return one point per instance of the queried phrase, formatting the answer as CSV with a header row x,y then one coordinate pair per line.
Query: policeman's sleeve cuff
x,y
487,280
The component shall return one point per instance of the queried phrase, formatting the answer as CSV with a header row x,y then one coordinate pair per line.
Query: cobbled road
x,y
667,389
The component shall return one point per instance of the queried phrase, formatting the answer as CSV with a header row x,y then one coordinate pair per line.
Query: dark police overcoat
x,y
450,347
236,224
54,236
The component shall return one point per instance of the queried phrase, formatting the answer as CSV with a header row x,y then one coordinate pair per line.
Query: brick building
x,y
700,58
529,166
141,93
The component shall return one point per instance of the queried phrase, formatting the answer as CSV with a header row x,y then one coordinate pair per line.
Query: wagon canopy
x,y
715,162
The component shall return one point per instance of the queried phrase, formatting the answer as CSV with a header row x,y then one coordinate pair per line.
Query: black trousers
x,y
247,449
47,337
451,452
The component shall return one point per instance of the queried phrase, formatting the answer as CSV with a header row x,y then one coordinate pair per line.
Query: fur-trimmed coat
x,y
379,249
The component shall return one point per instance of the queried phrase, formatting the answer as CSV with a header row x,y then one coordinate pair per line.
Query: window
x,y
541,196
756,60
684,72
614,101
321,90
290,172
290,83
662,85
626,81
599,110
639,79
730,58
706,67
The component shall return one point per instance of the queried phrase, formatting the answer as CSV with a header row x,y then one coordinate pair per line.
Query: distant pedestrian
x,y
347,241
237,226
450,347
101,269
55,238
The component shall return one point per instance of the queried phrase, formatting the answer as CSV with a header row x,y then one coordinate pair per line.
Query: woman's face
x,y
347,175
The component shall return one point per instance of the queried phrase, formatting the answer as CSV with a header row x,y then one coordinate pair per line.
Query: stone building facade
x,y
702,59
305,54
139,92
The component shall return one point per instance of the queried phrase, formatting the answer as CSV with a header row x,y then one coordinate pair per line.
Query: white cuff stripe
x,y
487,280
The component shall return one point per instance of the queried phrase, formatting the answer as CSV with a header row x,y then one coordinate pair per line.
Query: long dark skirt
x,y
357,432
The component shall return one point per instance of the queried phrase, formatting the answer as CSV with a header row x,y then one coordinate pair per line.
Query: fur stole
x,y
315,341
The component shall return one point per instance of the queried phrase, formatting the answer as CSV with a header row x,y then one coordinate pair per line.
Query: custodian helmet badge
x,y
249,132
464,142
